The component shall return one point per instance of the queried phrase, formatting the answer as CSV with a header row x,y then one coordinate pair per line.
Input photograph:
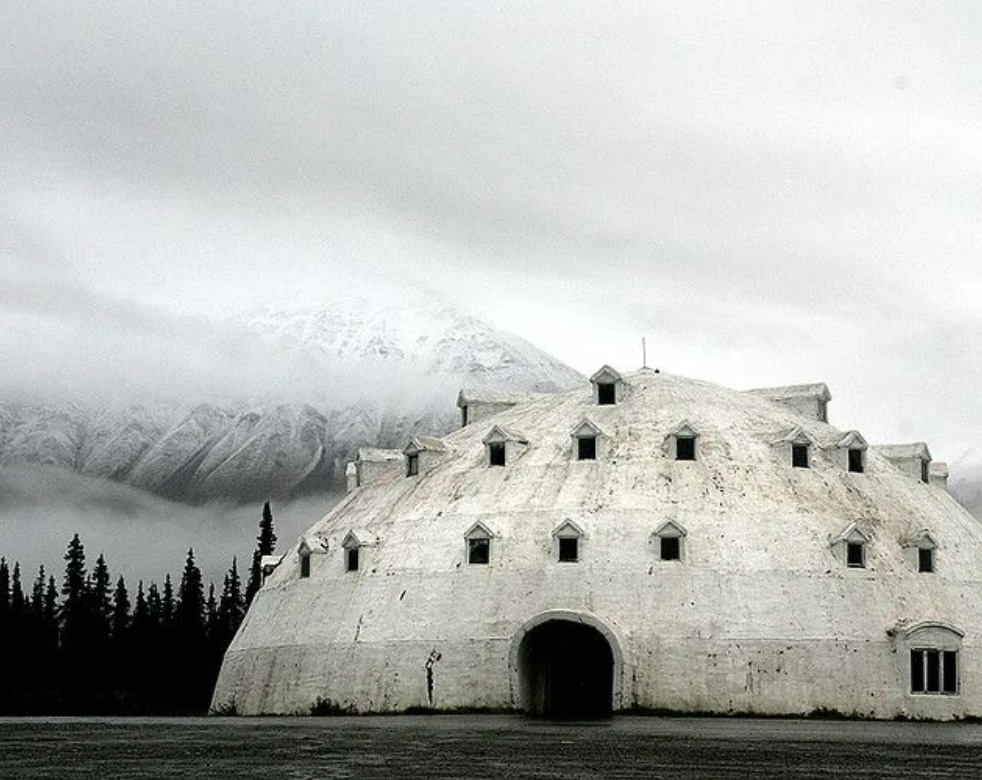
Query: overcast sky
x,y
770,192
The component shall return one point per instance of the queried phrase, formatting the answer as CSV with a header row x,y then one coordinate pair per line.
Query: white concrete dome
x,y
758,573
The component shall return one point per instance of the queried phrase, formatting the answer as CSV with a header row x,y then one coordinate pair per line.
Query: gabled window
x,y
304,562
412,464
670,538
683,442
352,545
608,385
800,456
351,559
923,547
587,439
856,555
568,538
852,546
478,540
503,445
586,447
496,453
925,561
606,393
857,460
854,448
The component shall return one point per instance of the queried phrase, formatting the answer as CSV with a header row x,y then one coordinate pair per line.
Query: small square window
x,y
569,549
586,448
856,464
496,453
351,559
305,566
478,550
856,555
799,456
412,465
925,560
685,448
606,394
671,548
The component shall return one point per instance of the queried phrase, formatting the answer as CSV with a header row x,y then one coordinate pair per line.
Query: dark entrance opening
x,y
566,671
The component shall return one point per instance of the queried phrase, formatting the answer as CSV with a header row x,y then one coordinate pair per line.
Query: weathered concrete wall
x,y
760,615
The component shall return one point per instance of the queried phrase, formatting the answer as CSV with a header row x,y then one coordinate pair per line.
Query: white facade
x,y
742,579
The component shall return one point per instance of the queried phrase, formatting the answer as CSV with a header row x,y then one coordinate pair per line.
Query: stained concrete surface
x,y
453,747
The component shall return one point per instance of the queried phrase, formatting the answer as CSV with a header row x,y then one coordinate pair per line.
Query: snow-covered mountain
x,y
390,371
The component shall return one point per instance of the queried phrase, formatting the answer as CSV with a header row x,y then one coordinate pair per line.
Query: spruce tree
x,y
74,612
231,607
266,544
167,607
120,621
191,602
18,602
4,588
100,601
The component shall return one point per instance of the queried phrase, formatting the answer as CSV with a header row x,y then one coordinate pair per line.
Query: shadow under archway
x,y
566,670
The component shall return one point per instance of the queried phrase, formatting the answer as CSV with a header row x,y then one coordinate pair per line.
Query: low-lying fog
x,y
141,535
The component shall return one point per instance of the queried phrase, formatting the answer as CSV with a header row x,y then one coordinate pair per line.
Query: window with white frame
x,y
669,540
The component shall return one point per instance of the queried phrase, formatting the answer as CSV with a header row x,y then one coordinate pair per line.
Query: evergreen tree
x,y
4,588
142,623
155,606
18,602
266,544
231,608
191,602
74,608
211,612
167,607
120,621
100,601
37,596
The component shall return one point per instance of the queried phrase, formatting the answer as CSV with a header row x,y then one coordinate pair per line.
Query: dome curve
x,y
761,612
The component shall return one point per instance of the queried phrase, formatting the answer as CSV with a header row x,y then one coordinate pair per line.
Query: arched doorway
x,y
566,670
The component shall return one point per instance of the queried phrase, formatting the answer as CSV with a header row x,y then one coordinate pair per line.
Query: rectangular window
x,y
925,471
586,448
496,453
412,465
925,560
351,559
856,555
934,671
856,460
569,549
671,548
478,550
685,448
304,566
606,394
799,456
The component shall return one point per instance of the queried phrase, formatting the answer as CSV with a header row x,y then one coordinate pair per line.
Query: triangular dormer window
x,y
669,539
478,540
568,538
683,442
853,448
587,441
851,545
503,445
608,386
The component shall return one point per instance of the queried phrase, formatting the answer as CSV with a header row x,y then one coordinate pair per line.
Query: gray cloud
x,y
769,192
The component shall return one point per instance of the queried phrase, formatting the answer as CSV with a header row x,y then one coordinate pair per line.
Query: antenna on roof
x,y
644,354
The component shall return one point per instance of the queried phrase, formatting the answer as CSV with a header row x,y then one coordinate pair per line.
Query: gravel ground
x,y
423,747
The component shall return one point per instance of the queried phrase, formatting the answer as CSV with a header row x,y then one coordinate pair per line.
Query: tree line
x,y
91,646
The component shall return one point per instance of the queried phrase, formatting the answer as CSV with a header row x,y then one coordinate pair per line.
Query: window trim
x,y
497,453
920,658
568,532
804,451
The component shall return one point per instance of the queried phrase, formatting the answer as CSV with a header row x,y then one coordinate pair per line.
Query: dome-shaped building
x,y
643,541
